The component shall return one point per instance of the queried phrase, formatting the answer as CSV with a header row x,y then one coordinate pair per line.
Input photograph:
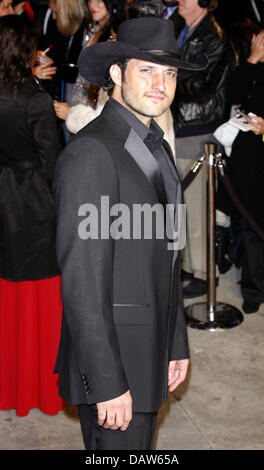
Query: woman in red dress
x,y
30,303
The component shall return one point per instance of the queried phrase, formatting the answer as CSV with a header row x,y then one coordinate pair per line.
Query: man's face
x,y
187,7
148,88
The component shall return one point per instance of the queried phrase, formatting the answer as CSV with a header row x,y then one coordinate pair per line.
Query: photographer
x,y
198,109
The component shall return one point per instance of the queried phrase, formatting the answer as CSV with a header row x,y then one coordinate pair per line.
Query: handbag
x,y
227,132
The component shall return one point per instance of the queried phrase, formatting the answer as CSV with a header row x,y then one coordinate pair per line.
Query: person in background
x,y
198,109
105,16
55,44
246,164
30,302
18,7
171,12
23,8
71,18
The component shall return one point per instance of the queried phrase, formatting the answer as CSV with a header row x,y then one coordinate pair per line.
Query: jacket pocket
x,y
131,314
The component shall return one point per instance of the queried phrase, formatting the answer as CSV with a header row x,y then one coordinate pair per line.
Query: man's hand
x,y
177,373
115,414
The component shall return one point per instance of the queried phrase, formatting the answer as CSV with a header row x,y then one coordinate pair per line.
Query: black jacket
x,y
28,152
200,105
245,166
123,314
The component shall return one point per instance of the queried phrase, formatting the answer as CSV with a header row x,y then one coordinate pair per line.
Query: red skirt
x,y
30,324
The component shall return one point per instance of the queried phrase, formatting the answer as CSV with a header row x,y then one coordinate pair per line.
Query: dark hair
x,y
240,35
18,44
117,14
108,83
116,9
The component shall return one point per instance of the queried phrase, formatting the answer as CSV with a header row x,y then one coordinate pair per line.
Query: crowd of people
x,y
44,101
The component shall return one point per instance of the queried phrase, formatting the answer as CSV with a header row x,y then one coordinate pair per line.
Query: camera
x,y
146,8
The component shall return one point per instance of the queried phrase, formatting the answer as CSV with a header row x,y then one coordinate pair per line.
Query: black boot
x,y
223,242
186,276
250,307
196,288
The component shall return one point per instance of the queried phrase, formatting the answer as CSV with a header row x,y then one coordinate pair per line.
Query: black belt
x,y
22,164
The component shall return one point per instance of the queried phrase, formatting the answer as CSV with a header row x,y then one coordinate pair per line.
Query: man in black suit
x,y
124,340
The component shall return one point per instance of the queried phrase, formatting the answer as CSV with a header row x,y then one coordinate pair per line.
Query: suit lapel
x,y
147,162
132,143
174,195
142,156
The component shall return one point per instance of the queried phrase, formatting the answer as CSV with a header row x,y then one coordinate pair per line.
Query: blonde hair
x,y
70,15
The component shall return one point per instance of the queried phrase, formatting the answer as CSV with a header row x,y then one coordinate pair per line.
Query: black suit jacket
x,y
123,314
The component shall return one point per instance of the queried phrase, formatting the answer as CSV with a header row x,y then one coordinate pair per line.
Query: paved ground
x,y
220,406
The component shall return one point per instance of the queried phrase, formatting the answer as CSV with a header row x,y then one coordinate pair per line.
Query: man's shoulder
x,y
84,157
96,144
94,135
84,148
102,130
207,29
210,28
211,36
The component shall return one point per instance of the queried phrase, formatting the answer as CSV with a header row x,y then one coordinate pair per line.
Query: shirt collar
x,y
171,10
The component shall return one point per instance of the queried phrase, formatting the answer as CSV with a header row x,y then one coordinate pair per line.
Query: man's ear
x,y
116,74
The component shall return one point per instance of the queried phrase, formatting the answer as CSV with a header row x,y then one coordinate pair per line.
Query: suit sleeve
x,y
180,347
84,173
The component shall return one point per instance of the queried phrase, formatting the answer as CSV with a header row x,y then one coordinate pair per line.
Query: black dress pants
x,y
252,281
138,436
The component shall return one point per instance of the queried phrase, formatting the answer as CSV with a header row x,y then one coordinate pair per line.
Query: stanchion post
x,y
211,315
211,297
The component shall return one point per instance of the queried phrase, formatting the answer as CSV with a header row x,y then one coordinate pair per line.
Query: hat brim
x,y
94,61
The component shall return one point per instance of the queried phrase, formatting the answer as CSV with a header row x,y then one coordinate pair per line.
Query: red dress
x,y
30,301
30,323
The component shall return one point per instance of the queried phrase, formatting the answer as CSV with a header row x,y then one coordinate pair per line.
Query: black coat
x,y
200,100
246,163
28,153
123,314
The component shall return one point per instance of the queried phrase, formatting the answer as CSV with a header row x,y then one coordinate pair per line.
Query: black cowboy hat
x,y
146,38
